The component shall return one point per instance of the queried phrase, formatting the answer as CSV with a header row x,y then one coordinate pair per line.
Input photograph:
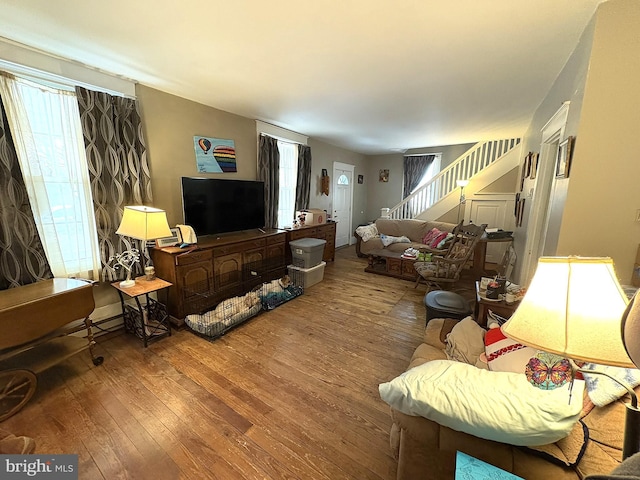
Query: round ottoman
x,y
443,304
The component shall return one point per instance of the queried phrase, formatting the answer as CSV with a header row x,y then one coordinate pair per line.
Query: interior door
x,y
497,212
342,201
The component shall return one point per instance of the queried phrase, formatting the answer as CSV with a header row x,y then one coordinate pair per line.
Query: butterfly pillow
x,y
548,371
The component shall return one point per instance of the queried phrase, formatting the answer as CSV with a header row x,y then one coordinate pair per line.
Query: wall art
x,y
384,175
215,155
565,152
361,179
534,165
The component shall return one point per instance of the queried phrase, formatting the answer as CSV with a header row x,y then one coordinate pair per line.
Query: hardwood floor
x,y
292,393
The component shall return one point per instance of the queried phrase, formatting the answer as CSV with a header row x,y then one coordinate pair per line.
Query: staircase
x,y
483,164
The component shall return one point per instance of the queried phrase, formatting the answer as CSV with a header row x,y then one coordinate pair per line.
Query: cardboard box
x,y
312,216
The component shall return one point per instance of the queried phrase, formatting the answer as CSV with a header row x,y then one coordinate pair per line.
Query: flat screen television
x,y
213,205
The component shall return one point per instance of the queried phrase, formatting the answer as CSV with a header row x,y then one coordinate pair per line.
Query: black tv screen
x,y
213,206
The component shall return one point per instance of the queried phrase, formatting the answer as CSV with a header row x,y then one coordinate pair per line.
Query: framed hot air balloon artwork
x,y
215,155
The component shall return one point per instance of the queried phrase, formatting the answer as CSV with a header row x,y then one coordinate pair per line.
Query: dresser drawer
x,y
239,247
303,233
279,238
193,257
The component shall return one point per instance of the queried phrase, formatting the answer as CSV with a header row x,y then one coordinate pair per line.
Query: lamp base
x,y
127,283
631,443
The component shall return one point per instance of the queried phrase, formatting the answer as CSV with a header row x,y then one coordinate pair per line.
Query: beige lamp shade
x,y
144,223
574,308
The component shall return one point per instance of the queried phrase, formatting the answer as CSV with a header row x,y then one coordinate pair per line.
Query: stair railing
x,y
463,168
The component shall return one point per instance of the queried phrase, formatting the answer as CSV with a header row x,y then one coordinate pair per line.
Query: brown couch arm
x,y
427,450
358,243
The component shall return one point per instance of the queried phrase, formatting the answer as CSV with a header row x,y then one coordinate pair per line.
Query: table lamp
x,y
142,223
574,307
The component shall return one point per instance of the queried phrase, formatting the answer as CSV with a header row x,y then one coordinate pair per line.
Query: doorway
x,y
343,202
538,242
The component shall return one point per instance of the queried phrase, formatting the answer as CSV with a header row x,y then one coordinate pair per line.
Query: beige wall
x,y
602,198
324,155
389,194
569,86
170,124
383,194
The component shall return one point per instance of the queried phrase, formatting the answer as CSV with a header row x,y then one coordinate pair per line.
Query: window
x,y
432,171
45,124
288,181
343,180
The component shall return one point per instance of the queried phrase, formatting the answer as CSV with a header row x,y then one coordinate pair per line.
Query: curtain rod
x,y
421,154
283,140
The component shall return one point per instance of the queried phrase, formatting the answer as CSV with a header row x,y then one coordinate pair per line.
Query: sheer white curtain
x,y
45,124
288,180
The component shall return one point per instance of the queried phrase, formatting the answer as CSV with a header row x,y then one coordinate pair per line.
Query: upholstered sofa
x,y
414,230
427,450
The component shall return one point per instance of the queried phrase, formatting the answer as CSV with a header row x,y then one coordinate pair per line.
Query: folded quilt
x,y
603,390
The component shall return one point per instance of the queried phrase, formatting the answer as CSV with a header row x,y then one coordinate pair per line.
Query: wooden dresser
x,y
219,267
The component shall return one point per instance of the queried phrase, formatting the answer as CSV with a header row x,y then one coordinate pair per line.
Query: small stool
x,y
443,304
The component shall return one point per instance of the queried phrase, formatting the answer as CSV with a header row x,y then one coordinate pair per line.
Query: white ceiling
x,y
372,76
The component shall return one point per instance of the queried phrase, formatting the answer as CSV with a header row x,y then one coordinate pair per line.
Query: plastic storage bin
x,y
310,276
307,252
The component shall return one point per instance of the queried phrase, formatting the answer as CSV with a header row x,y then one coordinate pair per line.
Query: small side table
x,y
149,321
483,305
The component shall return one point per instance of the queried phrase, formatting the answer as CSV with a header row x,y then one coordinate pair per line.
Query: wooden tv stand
x,y
218,267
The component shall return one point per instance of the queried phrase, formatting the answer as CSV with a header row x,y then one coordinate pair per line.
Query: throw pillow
x,y
504,354
465,342
367,232
498,406
427,239
445,242
441,237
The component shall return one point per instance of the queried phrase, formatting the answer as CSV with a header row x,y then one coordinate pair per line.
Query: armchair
x,y
445,270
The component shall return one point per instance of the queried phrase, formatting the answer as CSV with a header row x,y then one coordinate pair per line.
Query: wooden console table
x,y
483,305
480,254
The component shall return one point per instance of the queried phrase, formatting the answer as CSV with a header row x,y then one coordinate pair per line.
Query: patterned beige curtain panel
x,y
303,184
22,257
269,173
118,167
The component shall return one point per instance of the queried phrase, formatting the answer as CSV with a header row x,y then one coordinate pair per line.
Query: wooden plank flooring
x,y
290,394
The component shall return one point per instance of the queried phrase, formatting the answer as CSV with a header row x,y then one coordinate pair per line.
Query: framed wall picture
x,y
171,241
565,151
360,179
534,165
384,175
215,155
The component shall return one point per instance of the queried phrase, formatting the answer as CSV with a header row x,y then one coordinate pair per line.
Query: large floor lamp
x,y
462,184
575,307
